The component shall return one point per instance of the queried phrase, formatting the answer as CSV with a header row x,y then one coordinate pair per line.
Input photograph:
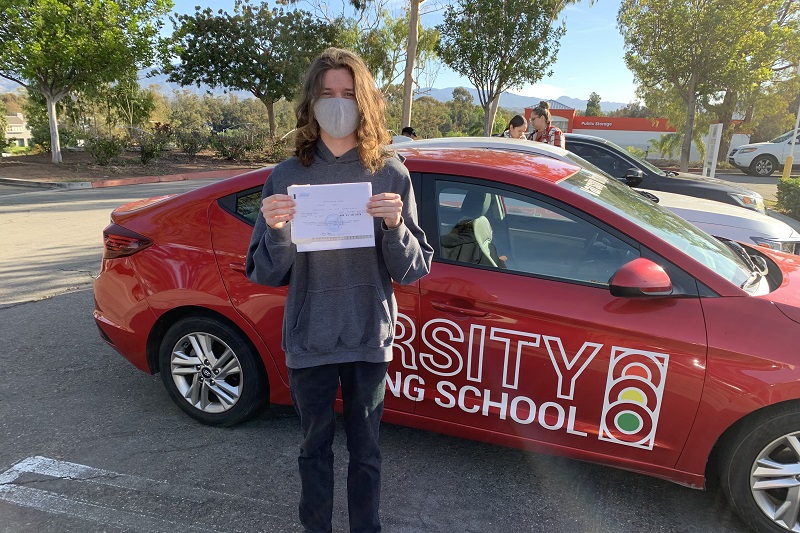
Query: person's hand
x,y
386,205
278,209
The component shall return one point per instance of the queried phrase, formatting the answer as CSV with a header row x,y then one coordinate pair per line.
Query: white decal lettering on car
x,y
569,368
632,399
522,339
450,362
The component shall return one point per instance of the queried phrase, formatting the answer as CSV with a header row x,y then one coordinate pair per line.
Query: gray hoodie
x,y
340,306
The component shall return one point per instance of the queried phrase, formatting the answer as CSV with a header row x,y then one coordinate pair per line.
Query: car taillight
x,y
122,242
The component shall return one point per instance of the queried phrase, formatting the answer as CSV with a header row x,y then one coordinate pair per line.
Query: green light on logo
x,y
628,422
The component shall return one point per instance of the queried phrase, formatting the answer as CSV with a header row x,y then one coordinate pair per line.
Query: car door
x,y
232,219
535,347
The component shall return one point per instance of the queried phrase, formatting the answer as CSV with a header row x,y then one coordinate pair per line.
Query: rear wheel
x,y
763,166
211,371
760,470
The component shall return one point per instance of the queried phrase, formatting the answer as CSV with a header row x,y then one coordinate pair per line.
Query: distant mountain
x,y
516,102
7,86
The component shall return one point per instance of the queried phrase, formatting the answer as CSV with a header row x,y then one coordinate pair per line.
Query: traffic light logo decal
x,y
632,402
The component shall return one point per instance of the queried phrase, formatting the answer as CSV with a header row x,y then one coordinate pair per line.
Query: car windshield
x,y
681,234
783,138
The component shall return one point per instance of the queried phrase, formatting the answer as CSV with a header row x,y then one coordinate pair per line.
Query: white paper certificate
x,y
332,217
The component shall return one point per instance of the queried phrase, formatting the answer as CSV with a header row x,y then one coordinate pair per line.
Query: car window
x,y
248,205
605,160
786,137
243,204
497,229
616,148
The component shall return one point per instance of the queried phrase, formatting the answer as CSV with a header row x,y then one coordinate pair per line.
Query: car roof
x,y
584,137
513,145
498,142
531,165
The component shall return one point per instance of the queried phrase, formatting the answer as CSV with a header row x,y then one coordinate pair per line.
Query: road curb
x,y
139,180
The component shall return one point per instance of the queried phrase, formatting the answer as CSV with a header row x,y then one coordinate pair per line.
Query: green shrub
x,y
104,149
235,144
153,143
192,142
277,150
789,197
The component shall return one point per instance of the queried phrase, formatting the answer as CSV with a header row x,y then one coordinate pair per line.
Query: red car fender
x,y
164,302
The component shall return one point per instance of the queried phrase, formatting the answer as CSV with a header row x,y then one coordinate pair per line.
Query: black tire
x,y
223,387
763,166
755,491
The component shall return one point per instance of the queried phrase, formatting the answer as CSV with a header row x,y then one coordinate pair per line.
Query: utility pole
x,y
787,165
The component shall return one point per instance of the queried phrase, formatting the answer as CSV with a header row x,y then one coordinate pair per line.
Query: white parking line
x,y
52,503
12,490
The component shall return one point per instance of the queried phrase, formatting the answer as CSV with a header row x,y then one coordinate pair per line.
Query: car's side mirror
x,y
634,177
640,278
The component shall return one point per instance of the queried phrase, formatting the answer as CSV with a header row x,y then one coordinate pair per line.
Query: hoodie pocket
x,y
335,319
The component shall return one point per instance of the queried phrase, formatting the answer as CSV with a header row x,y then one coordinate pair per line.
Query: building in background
x,y
624,131
18,131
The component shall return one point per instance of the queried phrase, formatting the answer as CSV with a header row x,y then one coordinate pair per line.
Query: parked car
x,y
729,222
762,159
620,163
616,332
715,218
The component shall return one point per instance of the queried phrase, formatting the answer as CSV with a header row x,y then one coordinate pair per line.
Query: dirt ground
x,y
79,166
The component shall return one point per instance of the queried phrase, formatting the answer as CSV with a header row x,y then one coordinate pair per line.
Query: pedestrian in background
x,y
516,128
339,319
409,132
544,131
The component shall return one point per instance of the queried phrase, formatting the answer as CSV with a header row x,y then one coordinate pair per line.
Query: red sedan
x,y
564,313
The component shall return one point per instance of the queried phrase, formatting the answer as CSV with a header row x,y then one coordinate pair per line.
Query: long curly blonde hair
x,y
371,135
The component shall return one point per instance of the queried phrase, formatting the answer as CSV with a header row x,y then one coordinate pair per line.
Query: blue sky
x,y
589,58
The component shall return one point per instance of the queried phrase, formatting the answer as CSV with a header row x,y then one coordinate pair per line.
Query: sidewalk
x,y
213,174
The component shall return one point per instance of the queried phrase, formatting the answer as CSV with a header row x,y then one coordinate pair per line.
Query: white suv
x,y
762,159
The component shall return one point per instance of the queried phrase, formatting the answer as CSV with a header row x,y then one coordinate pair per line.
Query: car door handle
x,y
238,267
447,308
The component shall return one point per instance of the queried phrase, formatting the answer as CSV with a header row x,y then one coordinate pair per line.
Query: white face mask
x,y
339,117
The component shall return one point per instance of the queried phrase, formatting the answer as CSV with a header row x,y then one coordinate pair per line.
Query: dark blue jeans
x,y
313,394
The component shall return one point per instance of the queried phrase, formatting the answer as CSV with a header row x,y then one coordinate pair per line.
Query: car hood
x,y
712,181
753,145
730,221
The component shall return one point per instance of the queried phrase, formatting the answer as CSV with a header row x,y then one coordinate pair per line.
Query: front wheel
x,y
211,371
760,470
763,166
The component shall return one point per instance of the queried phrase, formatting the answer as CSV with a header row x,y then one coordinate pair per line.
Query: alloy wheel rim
x,y
775,481
764,166
206,372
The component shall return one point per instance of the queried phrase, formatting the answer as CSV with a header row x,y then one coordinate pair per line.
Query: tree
x,y
384,49
257,49
129,104
482,41
689,47
632,110
54,47
3,123
593,106
752,88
